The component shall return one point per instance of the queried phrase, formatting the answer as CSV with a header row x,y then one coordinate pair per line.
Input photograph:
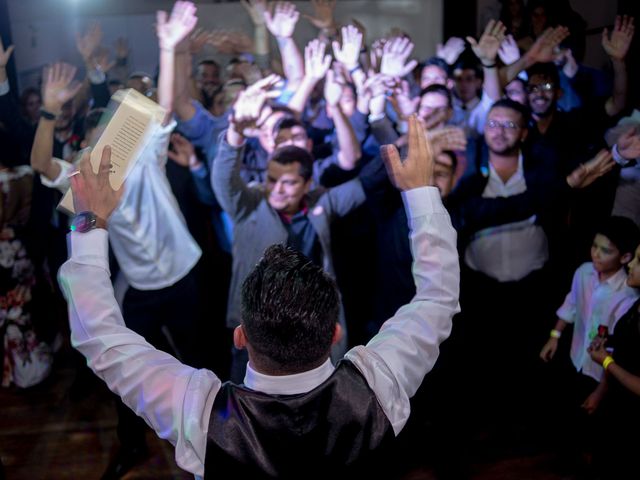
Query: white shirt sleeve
x,y
174,399
568,311
61,182
396,360
4,87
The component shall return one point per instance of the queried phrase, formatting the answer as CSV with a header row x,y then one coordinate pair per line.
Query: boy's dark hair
x,y
523,110
547,70
622,232
290,154
286,123
440,89
289,309
438,62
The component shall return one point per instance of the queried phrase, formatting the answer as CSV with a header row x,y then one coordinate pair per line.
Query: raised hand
x,y
89,42
629,144
402,97
59,86
394,57
5,54
509,52
256,10
230,42
349,53
451,50
183,153
282,19
543,50
617,45
248,108
332,88
172,30
316,63
447,138
588,172
323,13
487,48
198,39
417,169
92,191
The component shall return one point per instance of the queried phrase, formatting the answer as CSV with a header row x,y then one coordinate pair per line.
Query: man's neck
x,y
543,122
505,165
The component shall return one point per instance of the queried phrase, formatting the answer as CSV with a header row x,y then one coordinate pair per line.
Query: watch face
x,y
83,222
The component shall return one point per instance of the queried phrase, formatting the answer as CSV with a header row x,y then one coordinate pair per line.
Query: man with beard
x,y
508,222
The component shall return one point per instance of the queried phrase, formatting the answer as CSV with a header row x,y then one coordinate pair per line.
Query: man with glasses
x,y
508,220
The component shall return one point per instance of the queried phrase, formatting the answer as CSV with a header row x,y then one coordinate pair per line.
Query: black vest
x,y
334,431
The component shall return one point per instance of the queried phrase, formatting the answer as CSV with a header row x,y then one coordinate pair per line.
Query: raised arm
x,y
256,10
487,50
167,394
281,21
233,194
59,88
396,360
617,45
172,31
542,51
349,147
316,65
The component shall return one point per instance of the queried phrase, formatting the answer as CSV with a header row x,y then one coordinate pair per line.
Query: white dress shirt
x,y
511,251
592,303
176,400
148,233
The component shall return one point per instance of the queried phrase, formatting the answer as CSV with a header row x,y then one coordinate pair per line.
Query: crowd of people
x,y
270,232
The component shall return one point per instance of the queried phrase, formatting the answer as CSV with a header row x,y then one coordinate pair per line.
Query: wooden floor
x,y
46,435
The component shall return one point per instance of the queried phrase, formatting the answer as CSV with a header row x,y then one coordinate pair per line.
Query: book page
x,y
127,132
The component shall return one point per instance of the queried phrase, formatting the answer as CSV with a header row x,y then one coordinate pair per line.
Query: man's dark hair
x,y
622,232
290,154
453,157
468,61
209,61
523,110
547,70
440,89
289,310
438,62
286,123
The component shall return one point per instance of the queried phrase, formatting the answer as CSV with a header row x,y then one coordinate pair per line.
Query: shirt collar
x,y
615,281
470,105
288,384
288,219
493,175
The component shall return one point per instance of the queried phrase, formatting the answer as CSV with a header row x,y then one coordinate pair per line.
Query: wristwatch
x,y
86,221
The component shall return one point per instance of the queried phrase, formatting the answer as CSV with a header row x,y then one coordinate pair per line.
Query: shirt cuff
x,y
90,248
619,159
422,201
4,87
61,182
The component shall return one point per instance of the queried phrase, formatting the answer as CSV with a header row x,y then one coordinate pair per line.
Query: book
x,y
128,123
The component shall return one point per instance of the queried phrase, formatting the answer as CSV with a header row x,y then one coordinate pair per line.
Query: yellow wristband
x,y
608,361
555,333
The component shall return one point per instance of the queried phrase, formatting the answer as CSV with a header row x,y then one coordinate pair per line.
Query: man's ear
x,y
337,334
626,258
239,338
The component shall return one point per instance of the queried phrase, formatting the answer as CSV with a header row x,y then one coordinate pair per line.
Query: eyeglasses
x,y
540,87
508,125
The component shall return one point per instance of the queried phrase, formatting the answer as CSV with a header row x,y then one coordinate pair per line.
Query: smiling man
x,y
283,210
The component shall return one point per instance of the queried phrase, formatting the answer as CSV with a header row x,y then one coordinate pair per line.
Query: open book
x,y
130,119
